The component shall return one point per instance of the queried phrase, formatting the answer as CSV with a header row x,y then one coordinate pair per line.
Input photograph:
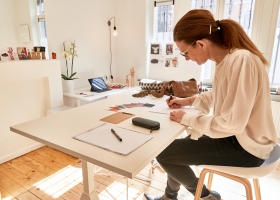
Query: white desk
x,y
57,131
78,94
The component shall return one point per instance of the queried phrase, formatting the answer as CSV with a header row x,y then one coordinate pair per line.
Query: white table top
x,y
57,131
86,95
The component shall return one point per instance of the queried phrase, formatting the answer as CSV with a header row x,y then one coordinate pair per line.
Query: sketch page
x,y
163,108
102,137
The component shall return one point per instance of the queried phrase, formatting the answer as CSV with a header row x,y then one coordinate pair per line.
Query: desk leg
x,y
88,182
126,188
77,102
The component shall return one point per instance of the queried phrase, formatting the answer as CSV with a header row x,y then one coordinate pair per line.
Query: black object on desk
x,y
146,123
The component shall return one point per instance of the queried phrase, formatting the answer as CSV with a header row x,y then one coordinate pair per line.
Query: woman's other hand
x,y
177,115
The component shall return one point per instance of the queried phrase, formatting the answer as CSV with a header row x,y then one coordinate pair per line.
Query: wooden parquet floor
x,y
48,174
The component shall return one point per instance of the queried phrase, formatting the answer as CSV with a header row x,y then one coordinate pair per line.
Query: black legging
x,y
181,153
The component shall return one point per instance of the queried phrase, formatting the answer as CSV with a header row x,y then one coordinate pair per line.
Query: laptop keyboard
x,y
104,90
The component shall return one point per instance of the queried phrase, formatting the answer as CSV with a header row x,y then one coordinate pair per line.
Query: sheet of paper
x,y
102,137
164,109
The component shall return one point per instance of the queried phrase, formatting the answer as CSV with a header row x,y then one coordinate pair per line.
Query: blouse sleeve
x,y
203,102
237,105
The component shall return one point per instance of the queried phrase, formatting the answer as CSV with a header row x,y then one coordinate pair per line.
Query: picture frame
x,y
24,33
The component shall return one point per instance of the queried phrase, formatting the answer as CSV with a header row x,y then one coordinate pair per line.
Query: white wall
x,y
131,42
13,14
8,30
85,22
23,9
27,89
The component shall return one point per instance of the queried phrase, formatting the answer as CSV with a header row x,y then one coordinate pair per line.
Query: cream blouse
x,y
240,98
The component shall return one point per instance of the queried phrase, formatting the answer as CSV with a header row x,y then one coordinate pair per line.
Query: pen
x,y
114,132
127,113
170,98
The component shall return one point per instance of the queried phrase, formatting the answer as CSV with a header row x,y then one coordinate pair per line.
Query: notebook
x,y
98,85
103,137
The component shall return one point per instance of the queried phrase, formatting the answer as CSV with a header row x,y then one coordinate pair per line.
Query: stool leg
x,y
248,188
257,189
243,181
210,178
200,184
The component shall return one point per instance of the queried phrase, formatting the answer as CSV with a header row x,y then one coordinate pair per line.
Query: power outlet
x,y
105,76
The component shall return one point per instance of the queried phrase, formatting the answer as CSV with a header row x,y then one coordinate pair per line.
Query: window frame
x,y
41,18
265,14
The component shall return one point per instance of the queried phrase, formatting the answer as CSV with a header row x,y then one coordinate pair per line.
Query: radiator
x,y
275,106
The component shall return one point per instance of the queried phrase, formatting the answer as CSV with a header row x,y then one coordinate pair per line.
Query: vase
x,y
69,86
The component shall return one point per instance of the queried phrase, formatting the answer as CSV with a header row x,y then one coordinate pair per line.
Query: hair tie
x,y
218,24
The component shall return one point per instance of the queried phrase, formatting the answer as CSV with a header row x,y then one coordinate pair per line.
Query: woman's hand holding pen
x,y
172,102
176,102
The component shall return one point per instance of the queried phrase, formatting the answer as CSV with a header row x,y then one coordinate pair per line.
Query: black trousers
x,y
181,153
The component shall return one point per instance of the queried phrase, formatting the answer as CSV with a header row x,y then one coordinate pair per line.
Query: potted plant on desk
x,y
69,76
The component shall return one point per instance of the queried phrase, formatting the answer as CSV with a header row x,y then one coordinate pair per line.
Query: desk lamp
x,y
114,33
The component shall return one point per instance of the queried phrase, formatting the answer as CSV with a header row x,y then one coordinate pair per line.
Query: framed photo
x,y
174,62
155,49
12,54
169,49
22,53
4,54
167,62
24,33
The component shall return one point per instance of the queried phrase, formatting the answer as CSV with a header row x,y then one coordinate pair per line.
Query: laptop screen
x,y
97,84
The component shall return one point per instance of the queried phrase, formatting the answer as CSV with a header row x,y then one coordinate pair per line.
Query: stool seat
x,y
241,174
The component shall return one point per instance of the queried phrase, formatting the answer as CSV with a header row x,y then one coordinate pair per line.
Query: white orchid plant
x,y
69,55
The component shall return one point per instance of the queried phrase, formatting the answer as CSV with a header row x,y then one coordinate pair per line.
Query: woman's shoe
x,y
150,197
212,196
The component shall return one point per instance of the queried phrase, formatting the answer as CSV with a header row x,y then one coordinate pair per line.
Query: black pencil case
x,y
146,123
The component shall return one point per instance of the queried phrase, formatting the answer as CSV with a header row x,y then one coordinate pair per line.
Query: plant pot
x,y
69,85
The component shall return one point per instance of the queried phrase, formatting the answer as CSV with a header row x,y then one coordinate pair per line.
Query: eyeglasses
x,y
186,52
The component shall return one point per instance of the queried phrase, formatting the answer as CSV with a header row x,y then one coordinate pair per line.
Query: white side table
x,y
84,94
57,110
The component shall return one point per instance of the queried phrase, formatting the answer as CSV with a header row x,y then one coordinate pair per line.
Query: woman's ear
x,y
202,44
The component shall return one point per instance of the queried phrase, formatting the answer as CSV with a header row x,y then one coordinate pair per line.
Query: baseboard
x,y
20,152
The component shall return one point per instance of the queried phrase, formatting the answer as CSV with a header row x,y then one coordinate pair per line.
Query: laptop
x,y
98,85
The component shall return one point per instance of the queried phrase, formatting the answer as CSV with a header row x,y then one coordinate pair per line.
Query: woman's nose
x,y
187,58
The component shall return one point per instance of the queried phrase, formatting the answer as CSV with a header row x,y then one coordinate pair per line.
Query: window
x,y
238,10
205,4
40,7
241,12
274,71
42,26
163,22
